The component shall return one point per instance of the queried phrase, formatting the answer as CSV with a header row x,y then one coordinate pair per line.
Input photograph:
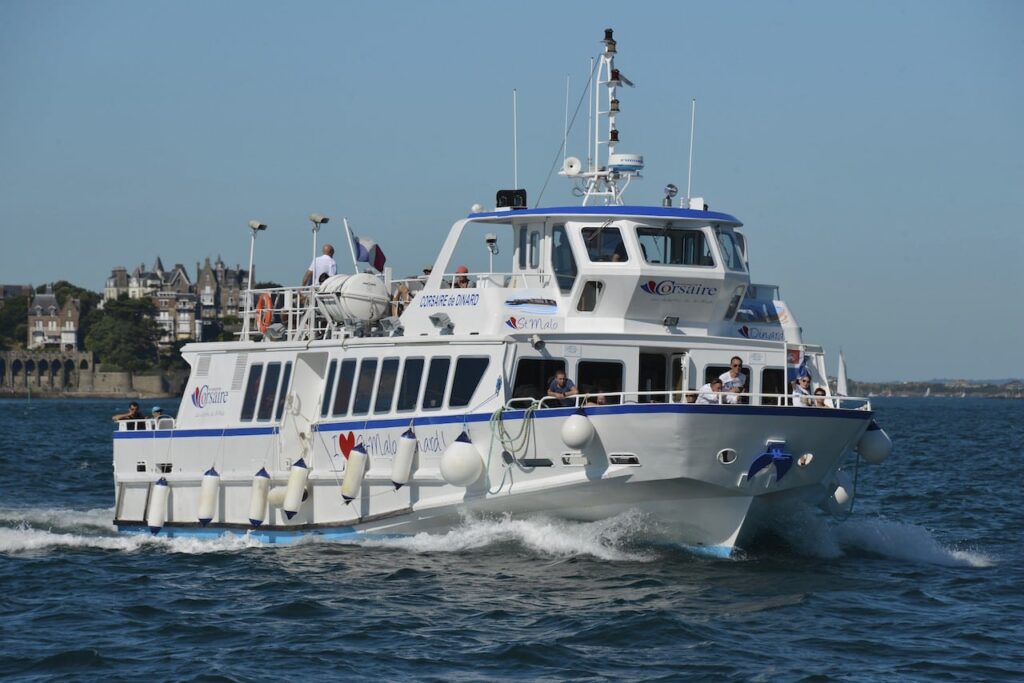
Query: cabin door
x,y
302,408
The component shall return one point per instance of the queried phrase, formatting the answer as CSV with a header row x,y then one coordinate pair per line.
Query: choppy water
x,y
924,582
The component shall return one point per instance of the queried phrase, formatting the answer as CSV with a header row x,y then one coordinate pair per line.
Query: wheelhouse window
x,y
674,246
600,377
252,390
590,295
522,248
412,377
343,394
437,380
534,249
604,244
533,375
732,256
562,261
468,373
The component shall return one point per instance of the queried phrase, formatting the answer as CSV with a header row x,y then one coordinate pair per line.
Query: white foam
x,y
906,542
605,540
97,519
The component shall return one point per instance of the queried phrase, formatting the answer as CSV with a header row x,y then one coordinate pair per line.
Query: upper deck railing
x,y
689,397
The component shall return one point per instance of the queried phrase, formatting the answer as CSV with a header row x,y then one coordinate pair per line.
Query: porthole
x,y
805,459
726,456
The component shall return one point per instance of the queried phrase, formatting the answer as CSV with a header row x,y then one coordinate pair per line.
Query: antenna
x,y
590,116
689,170
565,133
515,142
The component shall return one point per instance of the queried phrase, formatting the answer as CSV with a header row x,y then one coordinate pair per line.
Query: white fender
x,y
354,471
577,430
841,500
208,491
157,513
875,446
461,463
258,497
401,468
296,487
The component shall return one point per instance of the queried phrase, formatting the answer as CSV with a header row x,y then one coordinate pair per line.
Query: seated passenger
x,y
462,278
819,398
596,400
709,393
801,391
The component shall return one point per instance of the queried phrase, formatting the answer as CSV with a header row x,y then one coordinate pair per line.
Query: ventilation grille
x,y
240,362
203,369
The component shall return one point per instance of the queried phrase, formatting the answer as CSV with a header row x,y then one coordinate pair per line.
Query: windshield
x,y
731,254
675,246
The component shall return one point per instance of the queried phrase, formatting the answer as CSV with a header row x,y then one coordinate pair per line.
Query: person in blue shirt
x,y
562,388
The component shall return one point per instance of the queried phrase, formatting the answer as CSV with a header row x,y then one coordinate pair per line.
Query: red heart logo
x,y
346,442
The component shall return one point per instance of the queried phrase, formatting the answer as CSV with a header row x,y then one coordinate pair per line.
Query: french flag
x,y
367,251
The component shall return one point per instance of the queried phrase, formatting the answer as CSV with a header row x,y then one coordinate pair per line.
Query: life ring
x,y
264,312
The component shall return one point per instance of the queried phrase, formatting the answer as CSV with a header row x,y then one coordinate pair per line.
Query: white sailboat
x,y
841,387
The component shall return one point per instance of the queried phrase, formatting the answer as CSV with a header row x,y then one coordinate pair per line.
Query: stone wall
x,y
74,373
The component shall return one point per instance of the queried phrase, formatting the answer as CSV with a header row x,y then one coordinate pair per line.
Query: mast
x,y
605,182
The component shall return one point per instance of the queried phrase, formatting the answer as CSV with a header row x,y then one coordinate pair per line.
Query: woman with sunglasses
x,y
802,391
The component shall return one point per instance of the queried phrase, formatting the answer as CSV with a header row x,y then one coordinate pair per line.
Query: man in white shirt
x,y
321,265
709,392
734,381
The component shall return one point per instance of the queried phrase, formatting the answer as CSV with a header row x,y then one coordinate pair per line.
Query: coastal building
x,y
219,291
53,325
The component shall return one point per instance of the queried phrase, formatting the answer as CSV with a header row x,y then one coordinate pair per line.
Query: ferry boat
x,y
364,406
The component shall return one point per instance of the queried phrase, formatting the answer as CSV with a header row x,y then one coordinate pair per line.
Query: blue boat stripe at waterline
x,y
632,408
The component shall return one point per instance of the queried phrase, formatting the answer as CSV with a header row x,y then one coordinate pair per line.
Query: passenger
x,y
597,400
462,278
136,420
321,264
734,381
400,299
709,392
691,397
819,398
562,388
801,391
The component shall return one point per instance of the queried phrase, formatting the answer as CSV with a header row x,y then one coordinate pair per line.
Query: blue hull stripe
x,y
630,409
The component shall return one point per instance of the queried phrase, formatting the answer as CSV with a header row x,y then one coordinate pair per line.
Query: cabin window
x,y
674,247
269,392
533,375
331,370
604,244
386,385
562,261
282,395
534,249
409,391
252,389
773,381
364,387
522,248
731,254
468,373
343,394
600,377
652,378
590,294
437,380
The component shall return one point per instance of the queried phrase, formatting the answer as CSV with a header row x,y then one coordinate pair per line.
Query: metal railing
x,y
148,424
684,397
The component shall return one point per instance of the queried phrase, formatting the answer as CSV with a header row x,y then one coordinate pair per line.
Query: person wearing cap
x,y
709,392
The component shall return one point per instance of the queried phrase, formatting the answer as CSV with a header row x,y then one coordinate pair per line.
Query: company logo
x,y
756,333
670,287
205,395
525,323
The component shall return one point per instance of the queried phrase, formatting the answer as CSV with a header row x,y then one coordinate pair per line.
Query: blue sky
x,y
875,150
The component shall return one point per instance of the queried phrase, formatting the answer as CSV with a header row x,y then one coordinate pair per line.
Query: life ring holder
x,y
264,312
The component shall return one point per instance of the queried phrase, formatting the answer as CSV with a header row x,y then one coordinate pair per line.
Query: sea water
x,y
923,582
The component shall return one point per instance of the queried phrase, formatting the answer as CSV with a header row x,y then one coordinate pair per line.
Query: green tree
x,y
13,321
124,334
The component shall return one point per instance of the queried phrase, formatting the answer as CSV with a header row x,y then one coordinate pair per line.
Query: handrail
x,y
631,397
